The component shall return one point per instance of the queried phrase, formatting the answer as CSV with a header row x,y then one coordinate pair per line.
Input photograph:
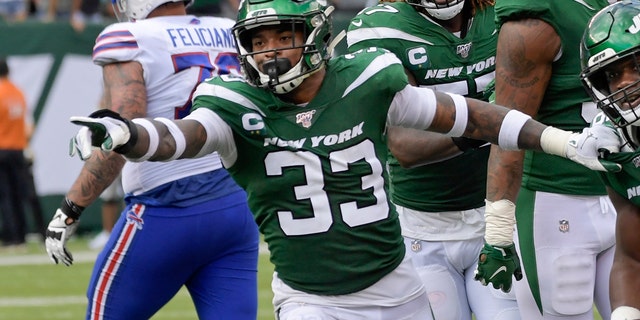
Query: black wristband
x,y
71,209
133,130
133,138
465,144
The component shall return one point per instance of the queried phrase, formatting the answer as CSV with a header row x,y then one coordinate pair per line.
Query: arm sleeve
x,y
219,136
412,107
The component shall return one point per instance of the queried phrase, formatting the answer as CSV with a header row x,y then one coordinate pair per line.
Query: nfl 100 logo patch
x,y
304,118
463,50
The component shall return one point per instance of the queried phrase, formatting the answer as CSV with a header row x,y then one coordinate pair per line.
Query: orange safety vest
x,y
13,110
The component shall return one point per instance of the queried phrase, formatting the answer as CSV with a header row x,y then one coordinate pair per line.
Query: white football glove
x,y
103,129
585,147
59,231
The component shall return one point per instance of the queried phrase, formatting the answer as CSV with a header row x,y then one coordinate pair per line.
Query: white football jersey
x,y
176,53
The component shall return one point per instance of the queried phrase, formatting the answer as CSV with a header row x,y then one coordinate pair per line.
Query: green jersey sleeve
x,y
626,182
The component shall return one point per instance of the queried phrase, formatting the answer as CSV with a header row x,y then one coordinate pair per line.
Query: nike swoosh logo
x,y
501,269
357,23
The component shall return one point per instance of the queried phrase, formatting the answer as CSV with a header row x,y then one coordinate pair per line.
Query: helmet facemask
x,y
278,75
440,11
621,106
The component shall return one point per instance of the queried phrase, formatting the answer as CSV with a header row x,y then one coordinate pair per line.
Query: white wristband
x,y
624,313
462,116
154,140
178,136
554,141
510,129
500,218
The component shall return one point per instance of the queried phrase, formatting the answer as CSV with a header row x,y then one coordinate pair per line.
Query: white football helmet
x,y
442,11
132,10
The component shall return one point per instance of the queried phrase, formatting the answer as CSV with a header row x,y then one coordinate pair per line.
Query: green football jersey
x,y
442,61
314,174
626,182
566,104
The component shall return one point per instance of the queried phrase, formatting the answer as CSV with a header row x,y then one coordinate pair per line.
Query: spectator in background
x,y
218,8
85,11
52,10
13,141
13,10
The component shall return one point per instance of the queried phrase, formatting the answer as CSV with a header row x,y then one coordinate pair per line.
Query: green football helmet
x,y
311,16
613,35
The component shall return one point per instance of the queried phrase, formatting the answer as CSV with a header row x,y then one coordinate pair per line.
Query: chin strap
x,y
332,45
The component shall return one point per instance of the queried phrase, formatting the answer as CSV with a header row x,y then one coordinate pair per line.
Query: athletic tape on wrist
x,y
554,141
154,140
462,116
510,129
178,136
499,219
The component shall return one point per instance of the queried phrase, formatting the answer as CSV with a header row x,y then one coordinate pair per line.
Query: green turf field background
x,y
33,288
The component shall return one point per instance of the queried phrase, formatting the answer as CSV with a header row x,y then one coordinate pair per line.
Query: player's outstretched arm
x,y
139,139
456,116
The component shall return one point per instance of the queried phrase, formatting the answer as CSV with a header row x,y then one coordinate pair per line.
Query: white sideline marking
x,y
31,259
42,301
78,257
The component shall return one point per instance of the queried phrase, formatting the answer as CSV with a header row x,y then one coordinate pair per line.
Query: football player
x,y
304,136
611,73
447,46
186,223
565,221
